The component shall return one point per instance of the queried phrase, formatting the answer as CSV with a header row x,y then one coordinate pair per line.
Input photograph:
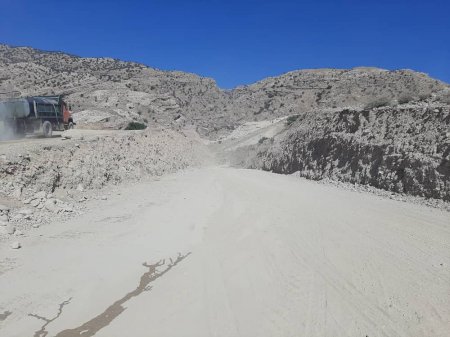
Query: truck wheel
x,y
70,126
47,129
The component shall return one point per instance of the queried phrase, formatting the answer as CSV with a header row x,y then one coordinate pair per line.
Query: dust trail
x,y
102,320
6,131
42,332
5,315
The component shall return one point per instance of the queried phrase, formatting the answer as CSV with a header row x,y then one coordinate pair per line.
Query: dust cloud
x,y
6,131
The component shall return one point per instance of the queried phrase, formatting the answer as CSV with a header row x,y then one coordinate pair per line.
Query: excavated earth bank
x,y
404,149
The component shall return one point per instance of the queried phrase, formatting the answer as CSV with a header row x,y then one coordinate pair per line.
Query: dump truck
x,y
43,114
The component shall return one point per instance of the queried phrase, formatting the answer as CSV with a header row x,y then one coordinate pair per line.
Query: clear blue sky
x,y
239,41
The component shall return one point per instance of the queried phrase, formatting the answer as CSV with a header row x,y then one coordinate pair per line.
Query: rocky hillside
x,y
109,93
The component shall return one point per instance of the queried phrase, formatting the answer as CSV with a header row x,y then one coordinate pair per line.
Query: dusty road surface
x,y
227,252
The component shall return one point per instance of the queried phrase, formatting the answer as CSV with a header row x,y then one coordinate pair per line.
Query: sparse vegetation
x,y
405,98
378,103
291,119
262,140
135,126
424,96
444,97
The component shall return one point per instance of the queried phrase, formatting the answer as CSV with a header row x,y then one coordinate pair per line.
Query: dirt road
x,y
227,252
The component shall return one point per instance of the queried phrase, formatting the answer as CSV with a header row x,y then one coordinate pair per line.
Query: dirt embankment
x,y
90,162
404,149
42,178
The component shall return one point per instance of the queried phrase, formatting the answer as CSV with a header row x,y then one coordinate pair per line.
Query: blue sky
x,y
239,41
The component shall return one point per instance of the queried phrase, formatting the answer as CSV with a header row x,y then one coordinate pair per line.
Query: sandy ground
x,y
240,253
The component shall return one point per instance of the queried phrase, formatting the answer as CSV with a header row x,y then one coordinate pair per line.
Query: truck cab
x,y
67,117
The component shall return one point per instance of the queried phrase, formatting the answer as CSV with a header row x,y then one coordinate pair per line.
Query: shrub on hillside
x,y
135,126
378,103
424,96
291,119
262,140
405,98
444,97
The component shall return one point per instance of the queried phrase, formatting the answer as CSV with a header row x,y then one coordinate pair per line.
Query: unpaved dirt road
x,y
227,252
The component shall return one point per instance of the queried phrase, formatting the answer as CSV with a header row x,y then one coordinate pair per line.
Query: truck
x,y
42,114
